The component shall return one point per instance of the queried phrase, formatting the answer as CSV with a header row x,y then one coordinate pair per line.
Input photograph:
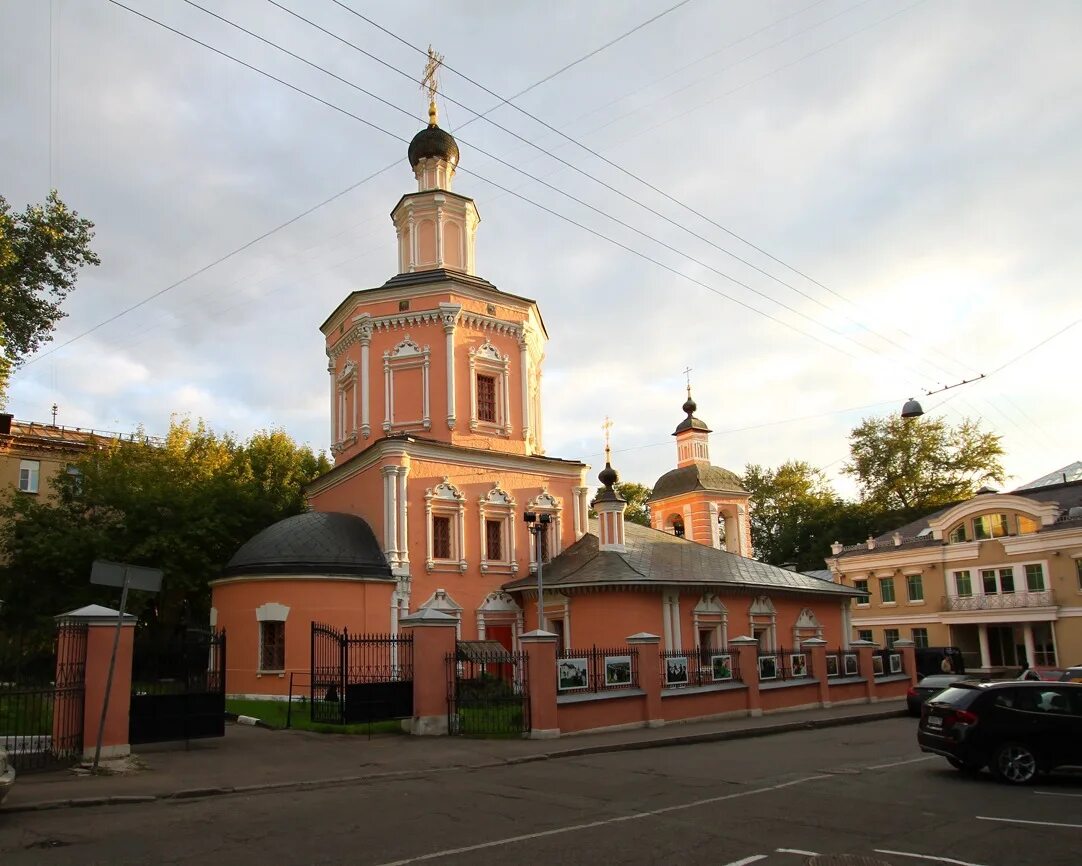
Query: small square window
x,y
886,589
862,587
890,635
494,540
915,587
920,637
272,645
864,634
403,306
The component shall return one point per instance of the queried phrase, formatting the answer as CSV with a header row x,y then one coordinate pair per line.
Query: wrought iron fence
x,y
360,677
784,664
488,693
597,669
42,677
703,666
842,663
178,686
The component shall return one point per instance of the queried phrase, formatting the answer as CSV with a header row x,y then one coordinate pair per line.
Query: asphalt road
x,y
861,790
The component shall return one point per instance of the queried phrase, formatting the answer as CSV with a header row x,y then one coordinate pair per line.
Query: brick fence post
x,y
540,649
865,650
909,658
747,653
816,647
100,625
433,642
648,647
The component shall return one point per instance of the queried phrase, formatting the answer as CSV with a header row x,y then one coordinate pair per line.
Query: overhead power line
x,y
337,195
635,201
509,101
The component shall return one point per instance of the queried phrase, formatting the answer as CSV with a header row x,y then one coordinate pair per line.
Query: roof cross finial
x,y
607,427
430,82
687,373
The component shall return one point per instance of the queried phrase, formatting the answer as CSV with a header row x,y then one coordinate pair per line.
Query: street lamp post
x,y
538,524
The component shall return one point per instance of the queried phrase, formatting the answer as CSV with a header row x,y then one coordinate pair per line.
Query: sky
x,y
821,208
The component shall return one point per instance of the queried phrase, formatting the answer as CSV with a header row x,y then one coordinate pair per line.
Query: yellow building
x,y
32,453
999,576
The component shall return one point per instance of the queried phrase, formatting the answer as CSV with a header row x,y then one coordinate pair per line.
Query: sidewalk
x,y
254,759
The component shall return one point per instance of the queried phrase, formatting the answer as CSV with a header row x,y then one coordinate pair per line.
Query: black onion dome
x,y
608,476
691,422
315,543
689,405
433,141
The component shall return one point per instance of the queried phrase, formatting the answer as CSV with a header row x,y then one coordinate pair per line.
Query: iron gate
x,y
358,678
42,688
487,691
178,687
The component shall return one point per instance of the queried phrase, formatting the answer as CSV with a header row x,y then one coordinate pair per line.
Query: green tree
x,y
184,504
41,253
636,496
912,466
795,514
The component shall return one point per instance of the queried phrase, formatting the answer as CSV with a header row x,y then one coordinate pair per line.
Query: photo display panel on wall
x,y
798,664
676,671
721,667
895,663
833,670
852,665
571,674
768,667
617,670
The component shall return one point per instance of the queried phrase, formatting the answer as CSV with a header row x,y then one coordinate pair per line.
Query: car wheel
x,y
1015,764
964,767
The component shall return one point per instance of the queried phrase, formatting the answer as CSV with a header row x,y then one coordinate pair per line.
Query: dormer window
x,y
989,526
958,534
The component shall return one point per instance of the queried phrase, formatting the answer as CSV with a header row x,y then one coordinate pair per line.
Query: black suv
x,y
1016,728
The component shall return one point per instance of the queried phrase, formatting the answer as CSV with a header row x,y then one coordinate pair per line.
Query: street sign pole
x,y
112,668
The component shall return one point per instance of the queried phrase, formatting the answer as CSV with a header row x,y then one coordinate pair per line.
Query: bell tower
x,y
436,228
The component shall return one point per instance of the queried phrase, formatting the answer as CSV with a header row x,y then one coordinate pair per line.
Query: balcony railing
x,y
1001,601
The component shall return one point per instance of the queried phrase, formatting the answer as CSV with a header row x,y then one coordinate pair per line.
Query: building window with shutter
x,y
272,646
441,537
493,540
486,399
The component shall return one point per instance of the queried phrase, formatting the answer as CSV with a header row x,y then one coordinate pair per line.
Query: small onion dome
x,y
689,405
608,477
691,422
912,409
433,141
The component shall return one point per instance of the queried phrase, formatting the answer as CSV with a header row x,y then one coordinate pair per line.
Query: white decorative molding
x,y
546,503
272,612
710,614
486,360
449,319
1045,512
405,356
446,500
498,505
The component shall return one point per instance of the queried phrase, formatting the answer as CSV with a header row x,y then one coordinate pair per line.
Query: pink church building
x,y
436,423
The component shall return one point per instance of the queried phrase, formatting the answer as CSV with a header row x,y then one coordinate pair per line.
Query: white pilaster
x,y
689,531
390,513
364,332
403,533
524,363
334,406
449,315
986,656
1031,647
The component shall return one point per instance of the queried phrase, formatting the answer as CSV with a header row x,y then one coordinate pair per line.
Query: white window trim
x,y
894,590
762,614
807,625
446,500
500,609
407,355
32,468
908,599
867,592
711,614
1021,586
271,611
546,503
499,505
486,360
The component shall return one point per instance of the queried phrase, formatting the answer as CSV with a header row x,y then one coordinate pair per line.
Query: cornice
x,y
440,452
1045,541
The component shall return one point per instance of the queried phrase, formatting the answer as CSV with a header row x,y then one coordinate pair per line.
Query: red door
x,y
501,633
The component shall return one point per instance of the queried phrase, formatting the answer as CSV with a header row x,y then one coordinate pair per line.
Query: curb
x,y
575,752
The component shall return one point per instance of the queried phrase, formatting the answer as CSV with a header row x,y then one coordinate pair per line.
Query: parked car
x,y
1071,675
1017,728
7,774
927,687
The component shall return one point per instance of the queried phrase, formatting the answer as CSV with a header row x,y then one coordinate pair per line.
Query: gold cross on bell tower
x,y
607,428
430,82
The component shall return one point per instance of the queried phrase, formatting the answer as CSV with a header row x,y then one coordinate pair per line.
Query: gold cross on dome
x,y
607,427
430,82
687,373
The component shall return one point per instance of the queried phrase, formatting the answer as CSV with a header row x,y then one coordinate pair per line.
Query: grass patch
x,y
274,714
25,714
